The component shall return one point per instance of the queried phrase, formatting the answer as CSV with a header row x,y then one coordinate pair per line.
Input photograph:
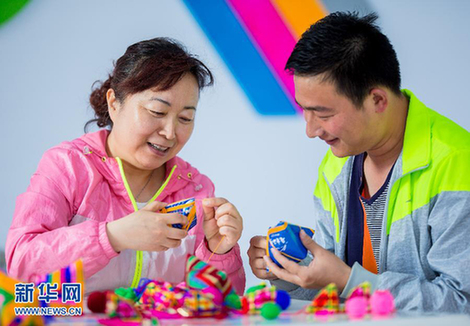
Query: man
x,y
392,200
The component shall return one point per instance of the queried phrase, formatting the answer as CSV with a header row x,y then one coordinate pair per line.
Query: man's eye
x,y
325,117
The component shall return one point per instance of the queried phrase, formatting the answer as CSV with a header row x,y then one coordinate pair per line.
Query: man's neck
x,y
385,153
380,159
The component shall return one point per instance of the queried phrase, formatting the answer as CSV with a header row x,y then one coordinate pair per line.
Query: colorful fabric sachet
x,y
325,302
359,303
201,276
285,237
62,290
256,298
202,295
186,207
164,300
362,290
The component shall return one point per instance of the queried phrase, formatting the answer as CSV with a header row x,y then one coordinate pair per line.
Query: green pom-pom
x,y
127,293
270,310
233,301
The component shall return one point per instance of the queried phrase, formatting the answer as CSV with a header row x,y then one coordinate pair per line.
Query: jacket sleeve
x,y
448,290
40,239
231,262
324,236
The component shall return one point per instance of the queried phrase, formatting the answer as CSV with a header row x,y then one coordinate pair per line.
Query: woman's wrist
x,y
112,230
215,249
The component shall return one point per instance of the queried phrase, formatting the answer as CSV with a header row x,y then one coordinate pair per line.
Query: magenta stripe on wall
x,y
268,31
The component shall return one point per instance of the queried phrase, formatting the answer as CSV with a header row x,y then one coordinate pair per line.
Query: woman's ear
x,y
113,104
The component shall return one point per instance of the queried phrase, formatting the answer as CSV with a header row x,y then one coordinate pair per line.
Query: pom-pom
x,y
97,302
233,301
270,310
283,299
127,293
381,303
356,307
216,294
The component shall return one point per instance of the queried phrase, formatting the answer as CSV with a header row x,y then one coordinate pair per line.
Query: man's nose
x,y
313,128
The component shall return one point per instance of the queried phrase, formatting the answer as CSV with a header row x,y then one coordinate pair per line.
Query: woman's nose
x,y
168,129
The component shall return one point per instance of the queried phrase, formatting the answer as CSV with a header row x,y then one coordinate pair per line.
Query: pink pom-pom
x,y
356,307
381,303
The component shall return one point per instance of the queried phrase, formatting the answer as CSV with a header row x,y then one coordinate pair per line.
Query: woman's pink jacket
x,y
76,190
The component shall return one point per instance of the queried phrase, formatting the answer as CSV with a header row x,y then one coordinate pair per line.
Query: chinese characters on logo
x,y
71,292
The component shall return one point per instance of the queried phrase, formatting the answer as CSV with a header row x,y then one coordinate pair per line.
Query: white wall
x,y
53,51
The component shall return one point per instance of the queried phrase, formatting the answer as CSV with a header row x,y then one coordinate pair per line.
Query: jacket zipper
x,y
139,255
384,235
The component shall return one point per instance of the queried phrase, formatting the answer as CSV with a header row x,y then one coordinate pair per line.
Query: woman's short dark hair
x,y
349,51
158,63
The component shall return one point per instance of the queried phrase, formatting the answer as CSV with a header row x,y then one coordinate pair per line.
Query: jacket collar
x,y
97,141
183,174
417,140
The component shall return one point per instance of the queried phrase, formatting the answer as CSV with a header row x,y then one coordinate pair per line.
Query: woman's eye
x,y
186,120
156,113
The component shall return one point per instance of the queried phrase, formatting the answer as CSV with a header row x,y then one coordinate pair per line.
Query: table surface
x,y
295,315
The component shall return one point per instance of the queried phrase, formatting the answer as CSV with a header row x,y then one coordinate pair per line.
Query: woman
x,y
98,197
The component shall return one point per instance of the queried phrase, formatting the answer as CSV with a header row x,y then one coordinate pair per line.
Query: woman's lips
x,y
157,151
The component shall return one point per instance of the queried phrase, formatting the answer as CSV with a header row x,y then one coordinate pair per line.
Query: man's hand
x,y
325,267
256,252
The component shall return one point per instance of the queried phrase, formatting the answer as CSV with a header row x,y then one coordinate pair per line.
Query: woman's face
x,y
151,127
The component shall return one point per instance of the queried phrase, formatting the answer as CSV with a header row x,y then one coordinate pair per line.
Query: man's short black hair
x,y
349,51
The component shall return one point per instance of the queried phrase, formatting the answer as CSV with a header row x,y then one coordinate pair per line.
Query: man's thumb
x,y
308,242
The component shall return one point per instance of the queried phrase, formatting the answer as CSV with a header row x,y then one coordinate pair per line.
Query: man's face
x,y
334,118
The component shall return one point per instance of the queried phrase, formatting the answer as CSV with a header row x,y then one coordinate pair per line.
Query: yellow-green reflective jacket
x,y
425,243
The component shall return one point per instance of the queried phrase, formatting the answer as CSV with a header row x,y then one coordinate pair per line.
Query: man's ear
x,y
113,104
379,98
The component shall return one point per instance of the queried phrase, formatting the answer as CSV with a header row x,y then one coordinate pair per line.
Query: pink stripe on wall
x,y
267,29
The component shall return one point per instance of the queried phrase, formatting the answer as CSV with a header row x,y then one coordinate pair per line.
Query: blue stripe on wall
x,y
240,55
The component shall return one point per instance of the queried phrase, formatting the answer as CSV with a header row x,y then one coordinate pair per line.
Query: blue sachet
x,y
285,237
186,207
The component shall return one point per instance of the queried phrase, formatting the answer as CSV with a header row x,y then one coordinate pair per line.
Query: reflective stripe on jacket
x,y
425,246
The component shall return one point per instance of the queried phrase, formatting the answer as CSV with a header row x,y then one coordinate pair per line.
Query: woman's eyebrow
x,y
169,104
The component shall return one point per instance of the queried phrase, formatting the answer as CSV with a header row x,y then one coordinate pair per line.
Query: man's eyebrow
x,y
317,108
169,104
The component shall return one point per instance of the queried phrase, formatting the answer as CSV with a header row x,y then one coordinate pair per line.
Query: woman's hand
x,y
147,230
221,220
